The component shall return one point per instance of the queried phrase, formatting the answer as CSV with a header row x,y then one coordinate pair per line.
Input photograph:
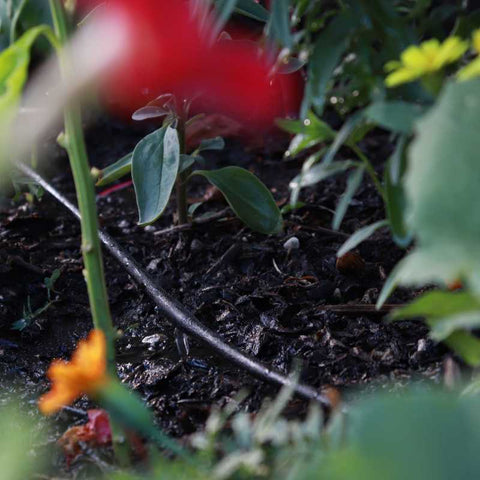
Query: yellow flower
x,y
473,68
429,57
85,373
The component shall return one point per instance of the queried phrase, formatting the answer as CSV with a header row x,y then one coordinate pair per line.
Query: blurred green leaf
x,y
253,10
279,26
442,185
16,445
327,52
397,116
14,64
248,197
416,436
438,304
155,164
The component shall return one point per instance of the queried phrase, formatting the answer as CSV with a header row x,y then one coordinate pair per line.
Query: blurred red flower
x,y
169,51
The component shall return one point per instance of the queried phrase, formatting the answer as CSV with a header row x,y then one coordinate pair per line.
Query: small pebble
x,y
153,265
292,243
196,245
123,224
152,339
150,228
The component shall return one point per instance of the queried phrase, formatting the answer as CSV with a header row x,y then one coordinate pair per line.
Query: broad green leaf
x,y
248,197
354,181
155,164
397,116
438,304
441,328
251,9
420,434
327,52
14,64
115,171
279,27
466,346
359,236
442,186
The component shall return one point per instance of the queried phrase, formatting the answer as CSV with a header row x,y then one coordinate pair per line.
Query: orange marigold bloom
x,y
85,373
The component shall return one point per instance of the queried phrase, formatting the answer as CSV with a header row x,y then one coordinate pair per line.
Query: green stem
x,y
370,170
181,184
74,142
77,152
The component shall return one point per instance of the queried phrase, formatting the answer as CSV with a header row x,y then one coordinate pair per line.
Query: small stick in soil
x,y
221,215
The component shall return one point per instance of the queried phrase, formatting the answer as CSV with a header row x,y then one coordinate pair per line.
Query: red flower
x,y
168,51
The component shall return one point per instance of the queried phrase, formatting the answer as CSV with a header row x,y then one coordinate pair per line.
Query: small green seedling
x,y
30,315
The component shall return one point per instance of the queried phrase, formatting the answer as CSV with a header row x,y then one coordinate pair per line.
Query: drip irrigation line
x,y
178,314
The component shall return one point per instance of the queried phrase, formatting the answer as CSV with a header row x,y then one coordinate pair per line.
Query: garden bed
x,y
279,305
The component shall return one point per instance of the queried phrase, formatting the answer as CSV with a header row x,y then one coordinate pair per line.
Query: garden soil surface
x,y
287,307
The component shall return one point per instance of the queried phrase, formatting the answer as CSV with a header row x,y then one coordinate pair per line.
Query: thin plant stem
x,y
91,250
182,178
370,170
74,142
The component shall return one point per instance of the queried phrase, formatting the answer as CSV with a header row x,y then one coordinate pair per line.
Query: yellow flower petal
x,y
402,75
476,40
413,57
450,51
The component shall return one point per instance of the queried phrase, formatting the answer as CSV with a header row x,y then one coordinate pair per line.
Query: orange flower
x,y
85,373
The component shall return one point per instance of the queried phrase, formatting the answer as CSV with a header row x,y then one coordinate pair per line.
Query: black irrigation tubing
x,y
178,314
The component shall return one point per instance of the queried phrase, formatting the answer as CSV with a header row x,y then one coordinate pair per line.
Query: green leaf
x,y
438,304
417,434
279,27
359,236
442,186
155,164
466,345
395,205
442,328
115,171
216,143
320,172
251,9
353,183
248,197
224,11
186,161
126,408
327,52
14,64
397,116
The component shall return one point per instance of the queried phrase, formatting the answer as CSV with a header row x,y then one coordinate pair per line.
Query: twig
x,y
359,309
324,230
179,315
198,221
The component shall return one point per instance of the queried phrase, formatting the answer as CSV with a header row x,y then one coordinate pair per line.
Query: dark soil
x,y
279,306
